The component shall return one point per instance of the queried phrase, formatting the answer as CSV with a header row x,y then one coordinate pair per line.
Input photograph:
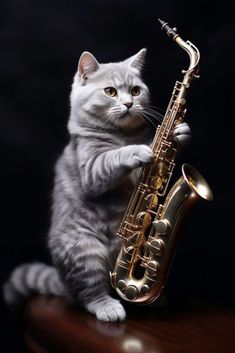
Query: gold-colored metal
x,y
150,226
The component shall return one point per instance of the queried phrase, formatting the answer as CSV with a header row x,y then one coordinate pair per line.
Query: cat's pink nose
x,y
128,104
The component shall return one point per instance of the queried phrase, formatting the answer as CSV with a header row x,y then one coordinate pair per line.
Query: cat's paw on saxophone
x,y
182,134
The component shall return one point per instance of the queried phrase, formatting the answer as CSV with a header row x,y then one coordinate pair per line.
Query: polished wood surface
x,y
54,325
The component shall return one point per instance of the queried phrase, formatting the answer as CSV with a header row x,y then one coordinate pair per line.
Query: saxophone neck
x,y
194,56
191,49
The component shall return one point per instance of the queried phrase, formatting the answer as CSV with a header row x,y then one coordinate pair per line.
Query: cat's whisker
x,y
151,123
156,109
102,128
107,125
149,114
147,120
149,109
156,119
154,114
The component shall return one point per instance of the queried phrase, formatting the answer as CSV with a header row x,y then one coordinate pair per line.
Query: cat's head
x,y
109,95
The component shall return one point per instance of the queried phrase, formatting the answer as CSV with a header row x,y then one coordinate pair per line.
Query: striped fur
x,y
32,278
94,178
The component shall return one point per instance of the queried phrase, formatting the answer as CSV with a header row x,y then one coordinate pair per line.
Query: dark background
x,y
40,44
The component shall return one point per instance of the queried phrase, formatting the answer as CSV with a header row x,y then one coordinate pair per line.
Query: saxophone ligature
x,y
151,223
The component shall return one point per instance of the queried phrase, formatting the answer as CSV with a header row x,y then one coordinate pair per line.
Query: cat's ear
x,y
87,65
137,61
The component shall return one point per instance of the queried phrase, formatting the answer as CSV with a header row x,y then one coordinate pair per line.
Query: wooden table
x,y
54,325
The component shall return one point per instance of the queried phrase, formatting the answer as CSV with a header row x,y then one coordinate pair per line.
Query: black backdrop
x,y
40,45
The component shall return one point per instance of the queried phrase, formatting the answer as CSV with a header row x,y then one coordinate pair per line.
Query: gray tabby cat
x,y
110,134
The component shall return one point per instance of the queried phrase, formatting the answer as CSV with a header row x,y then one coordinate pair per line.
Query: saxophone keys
x,y
128,255
156,182
144,219
151,201
130,250
183,100
144,289
131,292
162,226
160,177
121,285
162,169
113,276
169,154
156,246
153,267
135,238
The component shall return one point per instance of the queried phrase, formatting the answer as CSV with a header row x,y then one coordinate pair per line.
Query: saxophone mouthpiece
x,y
161,22
171,32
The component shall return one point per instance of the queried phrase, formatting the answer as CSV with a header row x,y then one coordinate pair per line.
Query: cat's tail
x,y
29,279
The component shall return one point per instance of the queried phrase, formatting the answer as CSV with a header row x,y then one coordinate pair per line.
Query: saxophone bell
x,y
162,240
197,182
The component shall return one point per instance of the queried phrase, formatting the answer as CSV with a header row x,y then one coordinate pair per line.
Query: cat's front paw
x,y
107,310
182,134
137,155
112,312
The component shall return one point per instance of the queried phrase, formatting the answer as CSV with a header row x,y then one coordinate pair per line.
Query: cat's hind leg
x,y
84,263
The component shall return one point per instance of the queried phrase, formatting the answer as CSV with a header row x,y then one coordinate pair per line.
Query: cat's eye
x,y
110,91
135,90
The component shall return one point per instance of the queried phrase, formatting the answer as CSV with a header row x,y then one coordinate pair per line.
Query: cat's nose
x,y
128,104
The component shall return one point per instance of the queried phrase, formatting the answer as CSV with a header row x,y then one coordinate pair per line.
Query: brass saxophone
x,y
151,223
